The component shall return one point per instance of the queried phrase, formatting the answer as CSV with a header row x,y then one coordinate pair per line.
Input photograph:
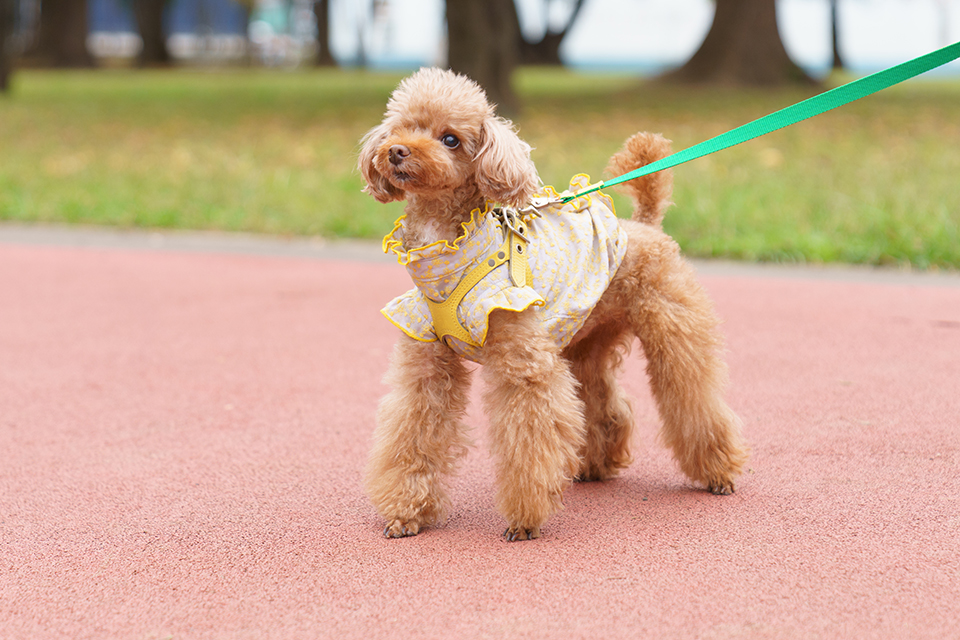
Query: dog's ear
x,y
504,171
377,184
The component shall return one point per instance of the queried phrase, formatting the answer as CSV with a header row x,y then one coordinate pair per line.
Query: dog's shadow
x,y
647,504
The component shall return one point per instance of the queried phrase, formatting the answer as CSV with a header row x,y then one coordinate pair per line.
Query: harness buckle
x,y
512,221
514,244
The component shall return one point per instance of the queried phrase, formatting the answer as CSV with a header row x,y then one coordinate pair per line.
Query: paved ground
x,y
184,421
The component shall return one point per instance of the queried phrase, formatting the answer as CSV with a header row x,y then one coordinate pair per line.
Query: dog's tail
x,y
651,193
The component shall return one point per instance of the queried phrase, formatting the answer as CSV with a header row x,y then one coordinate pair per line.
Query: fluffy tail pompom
x,y
651,193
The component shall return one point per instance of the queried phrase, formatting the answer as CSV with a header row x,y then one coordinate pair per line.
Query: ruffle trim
x,y
395,244
409,313
391,242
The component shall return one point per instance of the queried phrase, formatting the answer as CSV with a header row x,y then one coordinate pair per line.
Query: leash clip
x,y
540,202
567,196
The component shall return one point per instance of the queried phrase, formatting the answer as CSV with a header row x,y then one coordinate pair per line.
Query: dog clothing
x,y
573,251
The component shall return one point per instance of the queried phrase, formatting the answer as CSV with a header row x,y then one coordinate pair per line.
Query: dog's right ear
x,y
504,171
377,184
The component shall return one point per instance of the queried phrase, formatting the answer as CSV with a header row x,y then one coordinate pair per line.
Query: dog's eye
x,y
450,141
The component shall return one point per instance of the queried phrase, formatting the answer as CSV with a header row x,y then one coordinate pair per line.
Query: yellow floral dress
x,y
574,251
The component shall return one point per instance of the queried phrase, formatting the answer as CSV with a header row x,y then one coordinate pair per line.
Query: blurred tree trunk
x,y
62,36
247,6
837,63
7,16
321,9
483,37
743,47
546,51
149,18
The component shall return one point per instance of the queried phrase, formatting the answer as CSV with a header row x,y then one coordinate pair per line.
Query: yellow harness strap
x,y
513,250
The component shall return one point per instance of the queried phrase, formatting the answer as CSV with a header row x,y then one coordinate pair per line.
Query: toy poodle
x,y
547,298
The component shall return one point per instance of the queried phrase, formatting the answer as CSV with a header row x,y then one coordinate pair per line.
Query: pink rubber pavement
x,y
184,433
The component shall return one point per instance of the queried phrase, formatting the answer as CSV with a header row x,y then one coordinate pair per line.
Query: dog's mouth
x,y
402,179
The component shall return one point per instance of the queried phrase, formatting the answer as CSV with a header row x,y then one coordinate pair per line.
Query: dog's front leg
x,y
419,436
536,418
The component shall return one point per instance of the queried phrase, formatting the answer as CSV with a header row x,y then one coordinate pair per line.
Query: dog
x,y
551,331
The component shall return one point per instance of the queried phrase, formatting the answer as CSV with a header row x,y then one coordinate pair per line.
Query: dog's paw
x,y
401,529
515,533
594,474
721,489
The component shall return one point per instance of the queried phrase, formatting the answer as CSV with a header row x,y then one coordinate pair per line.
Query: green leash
x,y
793,114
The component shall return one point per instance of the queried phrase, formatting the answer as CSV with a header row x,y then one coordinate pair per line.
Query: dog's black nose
x,y
398,153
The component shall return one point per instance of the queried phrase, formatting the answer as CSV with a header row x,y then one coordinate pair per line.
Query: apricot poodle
x,y
548,300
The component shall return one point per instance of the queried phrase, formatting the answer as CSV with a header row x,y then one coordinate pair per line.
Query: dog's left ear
x,y
377,184
504,171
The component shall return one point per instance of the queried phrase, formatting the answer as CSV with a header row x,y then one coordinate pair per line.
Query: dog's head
x,y
440,133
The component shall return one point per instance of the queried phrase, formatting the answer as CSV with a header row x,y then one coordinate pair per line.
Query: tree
x,y
743,47
62,36
546,51
6,32
321,10
837,63
483,43
148,15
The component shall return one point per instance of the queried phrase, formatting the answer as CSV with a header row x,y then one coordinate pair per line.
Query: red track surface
x,y
183,438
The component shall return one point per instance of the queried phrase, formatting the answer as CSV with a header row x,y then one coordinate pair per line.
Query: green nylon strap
x,y
793,114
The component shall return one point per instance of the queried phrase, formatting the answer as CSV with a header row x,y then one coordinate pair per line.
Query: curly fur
x,y
556,414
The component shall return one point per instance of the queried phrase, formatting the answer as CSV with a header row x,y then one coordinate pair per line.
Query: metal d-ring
x,y
512,221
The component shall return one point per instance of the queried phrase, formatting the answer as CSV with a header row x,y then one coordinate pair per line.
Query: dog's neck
x,y
438,216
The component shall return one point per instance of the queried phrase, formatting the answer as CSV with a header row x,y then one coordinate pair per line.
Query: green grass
x,y
875,182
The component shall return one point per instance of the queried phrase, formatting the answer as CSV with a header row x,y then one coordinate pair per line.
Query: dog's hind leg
x,y
596,361
676,324
536,420
419,436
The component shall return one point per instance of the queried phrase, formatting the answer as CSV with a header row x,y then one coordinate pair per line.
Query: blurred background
x,y
244,115
642,35
637,35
